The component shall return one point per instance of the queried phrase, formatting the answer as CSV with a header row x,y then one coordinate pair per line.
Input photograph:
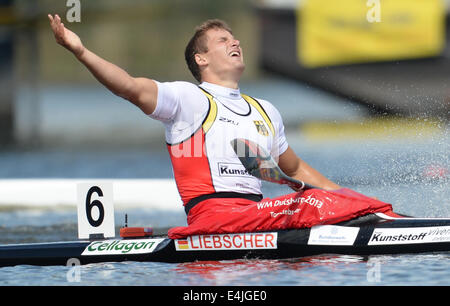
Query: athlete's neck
x,y
228,84
219,90
224,81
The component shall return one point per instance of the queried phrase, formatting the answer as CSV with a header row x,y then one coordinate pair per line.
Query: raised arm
x,y
142,92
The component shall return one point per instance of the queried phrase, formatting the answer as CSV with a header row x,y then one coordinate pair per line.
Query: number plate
x,y
95,209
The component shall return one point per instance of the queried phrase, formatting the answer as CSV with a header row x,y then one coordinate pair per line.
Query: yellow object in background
x,y
334,32
389,128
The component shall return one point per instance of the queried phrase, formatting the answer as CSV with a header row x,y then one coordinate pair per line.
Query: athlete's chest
x,y
232,121
239,118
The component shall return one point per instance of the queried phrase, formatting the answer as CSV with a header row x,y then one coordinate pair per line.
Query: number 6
x,y
97,203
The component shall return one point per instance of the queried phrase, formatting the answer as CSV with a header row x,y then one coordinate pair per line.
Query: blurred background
x,y
362,87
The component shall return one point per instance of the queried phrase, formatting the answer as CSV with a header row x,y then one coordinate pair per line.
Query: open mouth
x,y
235,54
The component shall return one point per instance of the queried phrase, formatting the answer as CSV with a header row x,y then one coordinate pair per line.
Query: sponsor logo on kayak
x,y
332,235
121,247
383,236
243,241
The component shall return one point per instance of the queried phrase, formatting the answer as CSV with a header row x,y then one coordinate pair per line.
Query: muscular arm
x,y
296,168
142,92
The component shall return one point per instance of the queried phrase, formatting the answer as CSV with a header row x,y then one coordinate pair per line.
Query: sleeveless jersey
x,y
201,121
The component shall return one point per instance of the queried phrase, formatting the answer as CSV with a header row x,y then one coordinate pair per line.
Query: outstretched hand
x,y
65,37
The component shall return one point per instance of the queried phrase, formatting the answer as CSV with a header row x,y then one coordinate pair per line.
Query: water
x,y
396,170
393,175
324,270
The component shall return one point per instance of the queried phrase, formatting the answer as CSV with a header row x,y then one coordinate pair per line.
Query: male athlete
x,y
219,196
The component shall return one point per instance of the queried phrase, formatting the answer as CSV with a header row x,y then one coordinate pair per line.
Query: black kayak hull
x,y
373,234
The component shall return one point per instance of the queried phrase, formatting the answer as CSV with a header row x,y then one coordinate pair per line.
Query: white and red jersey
x,y
218,194
200,122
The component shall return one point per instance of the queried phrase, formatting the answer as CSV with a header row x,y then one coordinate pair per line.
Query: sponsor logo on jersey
x,y
226,120
230,169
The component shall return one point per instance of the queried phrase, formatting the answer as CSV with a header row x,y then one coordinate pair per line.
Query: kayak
x,y
372,234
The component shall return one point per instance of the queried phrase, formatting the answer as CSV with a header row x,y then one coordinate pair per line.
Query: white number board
x,y
95,209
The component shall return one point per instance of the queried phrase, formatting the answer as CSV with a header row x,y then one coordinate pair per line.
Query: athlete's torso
x,y
203,160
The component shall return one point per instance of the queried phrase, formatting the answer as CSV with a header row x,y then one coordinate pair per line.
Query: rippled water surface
x,y
324,270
